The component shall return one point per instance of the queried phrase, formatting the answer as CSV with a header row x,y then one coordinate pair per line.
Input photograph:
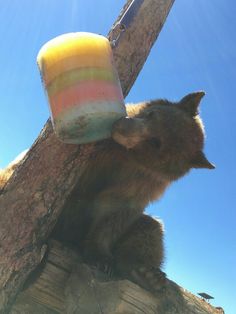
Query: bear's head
x,y
165,136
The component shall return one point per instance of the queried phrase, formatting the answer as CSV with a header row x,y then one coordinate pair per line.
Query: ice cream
x,y
82,86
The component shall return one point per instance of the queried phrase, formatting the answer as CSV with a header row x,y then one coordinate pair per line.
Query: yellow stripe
x,y
68,46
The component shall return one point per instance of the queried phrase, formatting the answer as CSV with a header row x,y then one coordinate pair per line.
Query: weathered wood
x,y
137,41
86,294
47,290
67,286
35,195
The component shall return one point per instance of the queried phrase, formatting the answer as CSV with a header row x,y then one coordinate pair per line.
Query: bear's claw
x,y
150,278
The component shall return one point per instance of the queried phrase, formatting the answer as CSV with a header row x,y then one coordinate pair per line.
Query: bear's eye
x,y
154,142
151,114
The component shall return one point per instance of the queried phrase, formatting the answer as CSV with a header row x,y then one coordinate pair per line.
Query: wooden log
x,y
68,286
136,42
35,195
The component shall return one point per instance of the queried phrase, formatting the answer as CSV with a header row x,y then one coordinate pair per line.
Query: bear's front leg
x,y
139,254
97,246
104,232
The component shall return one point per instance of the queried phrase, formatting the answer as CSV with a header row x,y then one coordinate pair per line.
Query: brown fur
x,y
158,144
5,175
7,172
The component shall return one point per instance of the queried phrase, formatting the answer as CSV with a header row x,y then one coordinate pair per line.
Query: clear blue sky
x,y
196,50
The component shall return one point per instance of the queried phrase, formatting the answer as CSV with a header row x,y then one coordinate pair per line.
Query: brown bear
x,y
157,143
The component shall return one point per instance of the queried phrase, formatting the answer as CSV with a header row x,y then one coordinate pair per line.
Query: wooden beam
x,y
68,286
136,42
35,195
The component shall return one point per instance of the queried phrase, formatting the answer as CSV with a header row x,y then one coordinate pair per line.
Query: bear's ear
x,y
191,102
200,161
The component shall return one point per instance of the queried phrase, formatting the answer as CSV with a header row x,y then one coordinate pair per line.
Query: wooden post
x,y
35,195
68,286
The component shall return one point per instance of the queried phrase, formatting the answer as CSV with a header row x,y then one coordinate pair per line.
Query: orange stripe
x,y
84,93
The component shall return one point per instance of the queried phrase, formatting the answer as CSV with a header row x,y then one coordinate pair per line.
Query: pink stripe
x,y
83,93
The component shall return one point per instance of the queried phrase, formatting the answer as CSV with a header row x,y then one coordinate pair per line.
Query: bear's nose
x,y
127,125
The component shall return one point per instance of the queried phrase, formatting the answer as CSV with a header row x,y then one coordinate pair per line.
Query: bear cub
x,y
156,144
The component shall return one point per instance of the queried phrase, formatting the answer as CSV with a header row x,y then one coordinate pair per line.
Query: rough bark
x,y
136,42
67,286
35,195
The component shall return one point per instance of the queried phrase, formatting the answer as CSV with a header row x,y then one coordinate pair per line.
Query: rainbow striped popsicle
x,y
82,86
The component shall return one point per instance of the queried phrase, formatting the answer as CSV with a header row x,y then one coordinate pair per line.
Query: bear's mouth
x,y
154,142
130,132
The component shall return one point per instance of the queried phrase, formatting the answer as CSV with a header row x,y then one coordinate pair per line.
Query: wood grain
x,y
65,285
